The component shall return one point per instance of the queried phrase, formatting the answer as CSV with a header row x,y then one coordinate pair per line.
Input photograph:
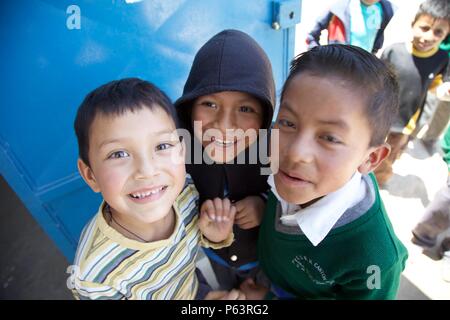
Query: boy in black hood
x,y
231,90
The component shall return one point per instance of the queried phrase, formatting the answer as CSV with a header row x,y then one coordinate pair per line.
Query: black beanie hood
x,y
229,61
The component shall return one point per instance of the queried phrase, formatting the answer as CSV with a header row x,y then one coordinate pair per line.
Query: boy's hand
x,y
252,291
250,211
216,219
225,295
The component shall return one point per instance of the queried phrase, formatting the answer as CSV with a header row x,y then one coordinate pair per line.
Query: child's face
x,y
222,115
136,163
428,32
324,137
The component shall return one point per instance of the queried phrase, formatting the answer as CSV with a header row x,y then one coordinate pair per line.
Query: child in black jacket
x,y
228,97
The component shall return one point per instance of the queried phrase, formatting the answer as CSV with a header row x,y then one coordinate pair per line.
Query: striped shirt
x,y
110,266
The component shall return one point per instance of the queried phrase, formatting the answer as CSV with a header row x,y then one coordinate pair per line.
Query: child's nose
x,y
226,120
301,149
429,36
145,167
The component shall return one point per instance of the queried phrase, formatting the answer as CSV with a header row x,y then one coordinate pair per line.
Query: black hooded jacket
x,y
230,61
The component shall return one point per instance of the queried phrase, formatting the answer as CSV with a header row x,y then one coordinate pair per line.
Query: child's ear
x,y
375,157
87,175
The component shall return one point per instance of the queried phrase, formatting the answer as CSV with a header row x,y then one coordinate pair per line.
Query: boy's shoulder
x,y
372,236
89,231
92,246
404,48
187,201
189,190
443,54
397,47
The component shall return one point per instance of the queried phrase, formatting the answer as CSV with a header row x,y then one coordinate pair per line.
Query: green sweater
x,y
445,45
362,259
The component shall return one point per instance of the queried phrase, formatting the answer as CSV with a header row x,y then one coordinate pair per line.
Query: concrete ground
x,y
418,176
31,265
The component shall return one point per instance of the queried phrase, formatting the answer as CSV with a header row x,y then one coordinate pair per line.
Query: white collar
x,y
318,219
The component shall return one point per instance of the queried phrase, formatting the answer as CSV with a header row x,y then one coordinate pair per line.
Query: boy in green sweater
x,y
325,233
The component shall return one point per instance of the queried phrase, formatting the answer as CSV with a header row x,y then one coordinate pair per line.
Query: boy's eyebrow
x,y
105,143
285,105
118,140
338,123
218,100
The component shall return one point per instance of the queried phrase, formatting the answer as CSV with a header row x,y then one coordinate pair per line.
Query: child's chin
x,y
295,198
220,159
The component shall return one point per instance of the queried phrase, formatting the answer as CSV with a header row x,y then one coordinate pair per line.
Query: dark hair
x,y
437,9
116,98
362,70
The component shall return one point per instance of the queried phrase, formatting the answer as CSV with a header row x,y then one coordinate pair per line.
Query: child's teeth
x,y
224,142
145,194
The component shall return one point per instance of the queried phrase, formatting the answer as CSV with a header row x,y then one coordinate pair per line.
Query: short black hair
x,y
437,9
116,98
361,69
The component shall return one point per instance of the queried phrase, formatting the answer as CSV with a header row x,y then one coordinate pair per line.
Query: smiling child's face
x,y
136,162
324,137
226,116
428,33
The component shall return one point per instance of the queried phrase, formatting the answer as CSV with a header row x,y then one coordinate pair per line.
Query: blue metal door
x,y
54,52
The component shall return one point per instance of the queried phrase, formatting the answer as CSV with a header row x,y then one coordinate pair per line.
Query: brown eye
x,y
246,109
118,155
286,123
439,33
331,139
163,146
209,104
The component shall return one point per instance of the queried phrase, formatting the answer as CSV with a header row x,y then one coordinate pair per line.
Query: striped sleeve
x,y
86,290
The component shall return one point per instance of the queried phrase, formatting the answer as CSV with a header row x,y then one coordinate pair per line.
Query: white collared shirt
x,y
317,220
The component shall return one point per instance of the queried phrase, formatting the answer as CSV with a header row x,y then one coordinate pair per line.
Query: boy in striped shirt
x,y
143,242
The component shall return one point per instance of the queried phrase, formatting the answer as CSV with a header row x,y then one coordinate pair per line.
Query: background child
x,y
416,64
356,22
325,233
436,218
143,241
231,90
436,112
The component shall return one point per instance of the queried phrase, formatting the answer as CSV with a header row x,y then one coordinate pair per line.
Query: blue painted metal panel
x,y
47,68
286,14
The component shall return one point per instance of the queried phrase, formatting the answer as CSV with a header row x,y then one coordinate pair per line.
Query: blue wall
x,y
48,65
